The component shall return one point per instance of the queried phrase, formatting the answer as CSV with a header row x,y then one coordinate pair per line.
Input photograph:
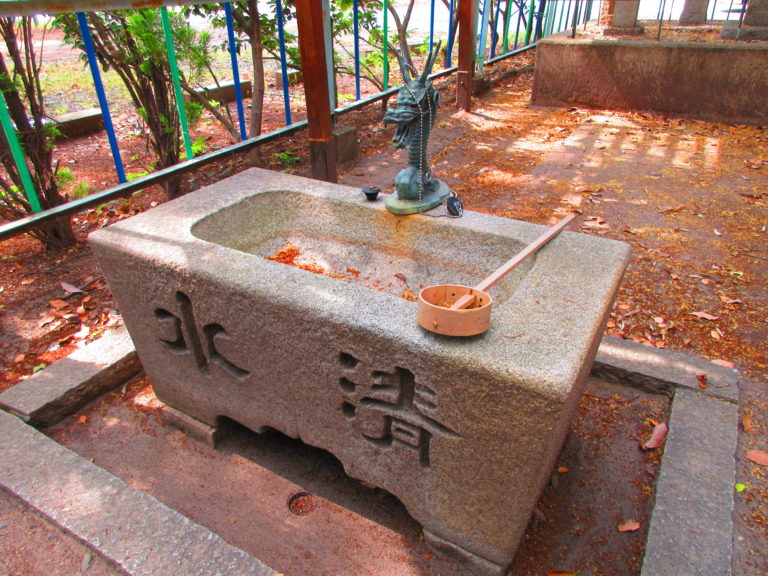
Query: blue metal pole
x,y
520,11
483,33
235,69
495,34
94,65
449,48
283,63
431,24
355,12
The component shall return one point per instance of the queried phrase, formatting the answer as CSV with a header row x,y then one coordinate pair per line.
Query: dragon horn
x,y
431,61
403,67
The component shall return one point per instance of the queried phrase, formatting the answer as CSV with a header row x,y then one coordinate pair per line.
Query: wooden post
x,y
466,71
314,68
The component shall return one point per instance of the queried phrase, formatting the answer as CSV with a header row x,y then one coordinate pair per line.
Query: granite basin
x,y
464,431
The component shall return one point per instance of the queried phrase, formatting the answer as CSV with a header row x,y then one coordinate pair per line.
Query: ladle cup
x,y
454,310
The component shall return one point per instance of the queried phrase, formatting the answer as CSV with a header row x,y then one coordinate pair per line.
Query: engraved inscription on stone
x,y
181,335
390,408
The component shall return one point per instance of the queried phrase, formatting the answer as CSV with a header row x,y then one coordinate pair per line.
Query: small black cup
x,y
371,192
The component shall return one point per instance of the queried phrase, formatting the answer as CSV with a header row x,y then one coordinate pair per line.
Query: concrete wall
x,y
710,81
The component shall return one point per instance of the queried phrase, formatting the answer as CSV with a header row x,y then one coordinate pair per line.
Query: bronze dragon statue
x,y
414,113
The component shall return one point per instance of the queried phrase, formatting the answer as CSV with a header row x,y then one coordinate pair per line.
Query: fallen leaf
x,y
704,316
562,470
82,419
70,288
400,276
658,436
671,210
726,300
27,281
58,304
739,487
82,333
758,457
19,358
717,232
702,378
629,526
561,573
715,334
725,363
47,319
746,421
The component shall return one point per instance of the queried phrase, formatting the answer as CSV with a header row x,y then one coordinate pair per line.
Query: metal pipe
x,y
431,24
235,69
25,224
449,48
18,156
283,63
385,48
167,32
93,63
35,7
356,36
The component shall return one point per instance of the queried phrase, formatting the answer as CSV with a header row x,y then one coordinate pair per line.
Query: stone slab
x,y
225,92
125,526
691,531
79,123
717,82
659,370
731,31
343,365
58,390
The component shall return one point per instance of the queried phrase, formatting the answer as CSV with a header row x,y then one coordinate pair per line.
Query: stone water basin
x,y
464,431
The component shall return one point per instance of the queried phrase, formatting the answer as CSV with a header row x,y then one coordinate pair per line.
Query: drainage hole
x,y
301,504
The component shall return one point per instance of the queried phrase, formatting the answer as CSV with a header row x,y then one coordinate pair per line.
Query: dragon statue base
x,y
404,203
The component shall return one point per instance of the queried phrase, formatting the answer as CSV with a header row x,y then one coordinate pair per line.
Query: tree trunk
x,y
694,13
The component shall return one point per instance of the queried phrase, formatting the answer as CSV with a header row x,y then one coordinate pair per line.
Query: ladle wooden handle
x,y
513,262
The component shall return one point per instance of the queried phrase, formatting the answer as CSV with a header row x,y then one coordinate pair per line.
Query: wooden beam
x,y
314,68
466,72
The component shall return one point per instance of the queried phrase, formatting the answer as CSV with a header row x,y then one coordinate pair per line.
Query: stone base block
x,y
294,77
200,431
347,147
624,31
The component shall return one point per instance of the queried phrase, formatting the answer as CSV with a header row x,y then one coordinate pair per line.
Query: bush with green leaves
x,y
20,84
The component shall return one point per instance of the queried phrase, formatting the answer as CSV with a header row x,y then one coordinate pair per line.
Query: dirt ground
x,y
690,197
243,490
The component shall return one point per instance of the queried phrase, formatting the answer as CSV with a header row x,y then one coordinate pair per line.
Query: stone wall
x,y
708,81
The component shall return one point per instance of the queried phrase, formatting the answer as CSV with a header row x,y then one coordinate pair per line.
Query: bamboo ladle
x,y
454,310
